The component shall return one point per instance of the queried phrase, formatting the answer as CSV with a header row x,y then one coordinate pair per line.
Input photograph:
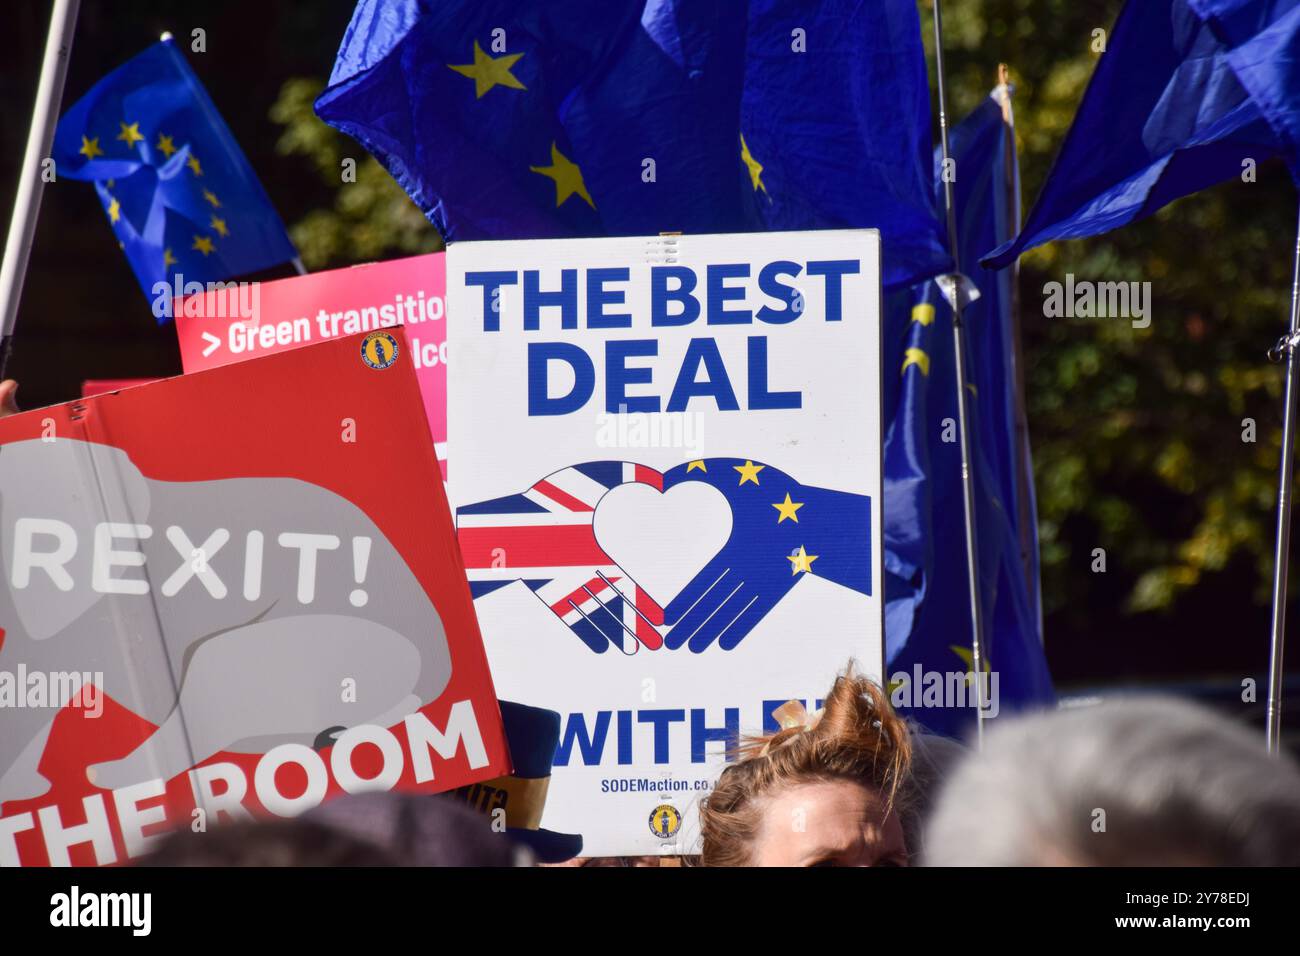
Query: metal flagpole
x,y
963,414
1281,554
1011,183
27,204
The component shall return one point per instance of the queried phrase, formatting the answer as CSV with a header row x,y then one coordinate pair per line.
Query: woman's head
x,y
819,793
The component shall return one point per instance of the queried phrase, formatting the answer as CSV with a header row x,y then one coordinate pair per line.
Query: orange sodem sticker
x,y
379,350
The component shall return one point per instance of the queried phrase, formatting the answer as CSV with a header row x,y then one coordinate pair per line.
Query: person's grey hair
x,y
1142,781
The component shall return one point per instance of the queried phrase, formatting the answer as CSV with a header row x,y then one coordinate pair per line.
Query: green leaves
x,y
369,217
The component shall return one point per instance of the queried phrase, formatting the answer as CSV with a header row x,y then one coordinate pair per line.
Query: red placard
x,y
98,386
237,591
239,321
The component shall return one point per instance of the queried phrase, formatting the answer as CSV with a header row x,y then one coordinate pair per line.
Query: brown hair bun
x,y
858,737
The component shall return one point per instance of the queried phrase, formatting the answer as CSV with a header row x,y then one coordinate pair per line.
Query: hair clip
x,y
793,715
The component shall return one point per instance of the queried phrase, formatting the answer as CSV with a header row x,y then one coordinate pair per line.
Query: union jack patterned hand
x,y
545,538
782,531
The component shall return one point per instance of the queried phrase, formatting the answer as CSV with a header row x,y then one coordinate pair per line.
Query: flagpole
x,y
963,412
31,184
1011,181
1281,554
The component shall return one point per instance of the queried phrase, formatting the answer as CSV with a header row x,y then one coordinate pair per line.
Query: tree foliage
x,y
1138,433
367,219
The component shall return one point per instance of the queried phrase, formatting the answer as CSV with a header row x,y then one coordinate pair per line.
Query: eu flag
x,y
836,126
507,119
178,191
927,605
1186,92
567,118
1263,41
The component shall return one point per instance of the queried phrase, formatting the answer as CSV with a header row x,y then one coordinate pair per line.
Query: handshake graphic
x,y
598,552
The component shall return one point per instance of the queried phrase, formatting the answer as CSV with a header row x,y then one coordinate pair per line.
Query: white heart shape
x,y
662,539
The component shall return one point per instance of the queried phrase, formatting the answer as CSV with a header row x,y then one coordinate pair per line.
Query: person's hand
x,y
781,531
545,538
8,398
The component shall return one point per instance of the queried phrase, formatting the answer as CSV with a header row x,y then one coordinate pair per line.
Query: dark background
x,y
83,315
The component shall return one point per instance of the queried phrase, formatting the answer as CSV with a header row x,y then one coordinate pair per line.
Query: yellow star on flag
x,y
787,509
801,561
567,176
220,226
918,358
203,244
165,145
749,471
754,166
923,312
169,260
697,465
114,211
487,72
968,656
130,134
90,148
193,163
212,198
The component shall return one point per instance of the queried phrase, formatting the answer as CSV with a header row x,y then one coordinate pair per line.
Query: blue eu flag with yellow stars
x,y
521,119
1187,95
179,193
835,122
927,604
513,120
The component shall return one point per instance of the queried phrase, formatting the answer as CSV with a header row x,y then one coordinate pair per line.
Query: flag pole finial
x,y
1004,89
166,36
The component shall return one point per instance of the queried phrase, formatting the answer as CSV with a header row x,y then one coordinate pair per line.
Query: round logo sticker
x,y
665,821
379,350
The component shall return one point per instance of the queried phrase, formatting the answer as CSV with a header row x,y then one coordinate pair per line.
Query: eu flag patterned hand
x,y
781,532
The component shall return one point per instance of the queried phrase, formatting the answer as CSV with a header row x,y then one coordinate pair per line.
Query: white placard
x,y
666,468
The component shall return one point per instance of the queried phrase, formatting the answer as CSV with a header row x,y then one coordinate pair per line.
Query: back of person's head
x,y
265,843
421,829
1145,781
856,738
366,829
